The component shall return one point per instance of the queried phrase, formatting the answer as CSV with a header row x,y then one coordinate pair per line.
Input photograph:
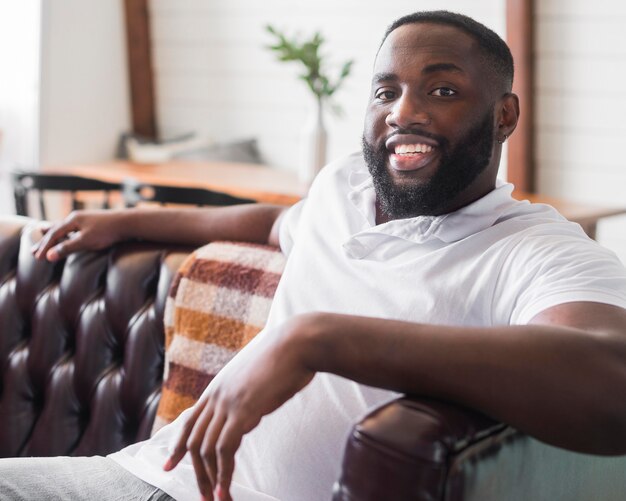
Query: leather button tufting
x,y
81,352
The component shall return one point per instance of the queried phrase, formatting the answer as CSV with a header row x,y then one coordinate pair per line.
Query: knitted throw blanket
x,y
218,301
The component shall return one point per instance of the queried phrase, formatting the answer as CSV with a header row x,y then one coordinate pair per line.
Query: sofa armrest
x,y
422,449
402,450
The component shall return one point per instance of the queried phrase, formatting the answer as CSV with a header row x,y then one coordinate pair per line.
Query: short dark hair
x,y
497,53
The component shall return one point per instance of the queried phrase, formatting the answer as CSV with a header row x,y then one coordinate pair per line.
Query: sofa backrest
x,y
81,344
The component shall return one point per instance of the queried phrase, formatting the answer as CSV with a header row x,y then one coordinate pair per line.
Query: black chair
x,y
136,192
25,183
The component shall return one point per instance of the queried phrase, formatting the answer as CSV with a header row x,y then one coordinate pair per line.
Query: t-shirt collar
x,y
448,228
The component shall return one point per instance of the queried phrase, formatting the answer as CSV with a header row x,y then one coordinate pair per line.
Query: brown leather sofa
x,y
81,345
81,362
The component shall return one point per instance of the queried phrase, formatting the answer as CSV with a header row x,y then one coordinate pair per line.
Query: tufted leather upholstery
x,y
81,345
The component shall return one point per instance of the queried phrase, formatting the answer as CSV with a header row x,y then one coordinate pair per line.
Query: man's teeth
x,y
403,149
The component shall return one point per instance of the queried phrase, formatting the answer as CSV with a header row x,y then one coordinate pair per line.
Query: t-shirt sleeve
x,y
543,273
287,232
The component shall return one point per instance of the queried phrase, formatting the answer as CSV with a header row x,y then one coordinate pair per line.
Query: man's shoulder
x,y
524,218
538,232
542,235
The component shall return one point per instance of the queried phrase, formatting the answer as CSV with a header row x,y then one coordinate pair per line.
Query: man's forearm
x,y
94,230
559,384
197,226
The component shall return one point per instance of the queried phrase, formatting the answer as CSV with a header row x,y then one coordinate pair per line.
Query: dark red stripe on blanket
x,y
234,276
186,381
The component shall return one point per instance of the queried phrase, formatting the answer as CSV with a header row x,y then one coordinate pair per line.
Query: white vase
x,y
313,141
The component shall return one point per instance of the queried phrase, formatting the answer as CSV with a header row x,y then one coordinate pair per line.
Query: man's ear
x,y
507,115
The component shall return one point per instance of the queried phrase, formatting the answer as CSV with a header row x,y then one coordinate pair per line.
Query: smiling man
x,y
437,99
410,270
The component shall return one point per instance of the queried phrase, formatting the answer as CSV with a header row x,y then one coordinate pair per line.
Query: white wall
x,y
19,90
214,76
84,82
581,105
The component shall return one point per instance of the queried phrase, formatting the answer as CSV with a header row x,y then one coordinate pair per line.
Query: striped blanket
x,y
218,301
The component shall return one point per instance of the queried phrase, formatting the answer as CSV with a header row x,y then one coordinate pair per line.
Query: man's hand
x,y
81,230
255,384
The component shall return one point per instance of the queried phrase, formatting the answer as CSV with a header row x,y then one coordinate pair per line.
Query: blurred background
x,y
65,99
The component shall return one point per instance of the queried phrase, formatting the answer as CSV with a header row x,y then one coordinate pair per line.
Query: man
x,y
410,270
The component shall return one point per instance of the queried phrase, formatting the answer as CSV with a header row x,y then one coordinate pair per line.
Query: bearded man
x,y
410,270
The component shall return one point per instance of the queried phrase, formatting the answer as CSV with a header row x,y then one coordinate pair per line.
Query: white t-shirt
x,y
497,261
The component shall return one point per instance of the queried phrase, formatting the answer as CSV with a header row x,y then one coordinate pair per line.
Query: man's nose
x,y
407,112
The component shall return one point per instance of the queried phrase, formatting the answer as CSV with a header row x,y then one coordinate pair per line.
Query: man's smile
x,y
415,172
409,152
410,149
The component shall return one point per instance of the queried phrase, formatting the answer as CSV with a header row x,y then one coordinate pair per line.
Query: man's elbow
x,y
611,428
606,411
607,395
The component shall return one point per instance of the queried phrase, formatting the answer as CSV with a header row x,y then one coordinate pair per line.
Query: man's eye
x,y
385,95
443,92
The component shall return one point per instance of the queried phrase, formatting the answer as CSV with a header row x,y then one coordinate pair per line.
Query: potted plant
x,y
321,85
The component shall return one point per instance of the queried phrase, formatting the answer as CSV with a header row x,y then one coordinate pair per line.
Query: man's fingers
x,y
55,253
44,227
211,436
64,248
180,446
52,237
204,483
198,454
227,445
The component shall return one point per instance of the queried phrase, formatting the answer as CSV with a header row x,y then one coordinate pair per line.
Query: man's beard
x,y
458,168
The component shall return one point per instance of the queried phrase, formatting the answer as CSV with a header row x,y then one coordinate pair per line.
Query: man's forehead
x,y
428,40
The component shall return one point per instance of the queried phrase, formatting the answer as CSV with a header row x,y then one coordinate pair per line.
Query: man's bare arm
x,y
561,379
93,230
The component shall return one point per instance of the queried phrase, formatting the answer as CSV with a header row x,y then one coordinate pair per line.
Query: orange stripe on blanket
x,y
249,332
169,335
208,328
172,404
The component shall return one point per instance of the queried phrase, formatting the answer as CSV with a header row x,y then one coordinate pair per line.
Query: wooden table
x,y
257,182
270,185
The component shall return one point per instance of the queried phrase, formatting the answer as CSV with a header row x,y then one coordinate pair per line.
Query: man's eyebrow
x,y
384,77
433,68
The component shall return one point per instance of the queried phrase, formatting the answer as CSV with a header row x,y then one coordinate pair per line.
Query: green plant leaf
x,y
307,53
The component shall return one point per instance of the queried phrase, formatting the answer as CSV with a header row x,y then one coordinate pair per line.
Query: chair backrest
x,y
25,182
136,192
